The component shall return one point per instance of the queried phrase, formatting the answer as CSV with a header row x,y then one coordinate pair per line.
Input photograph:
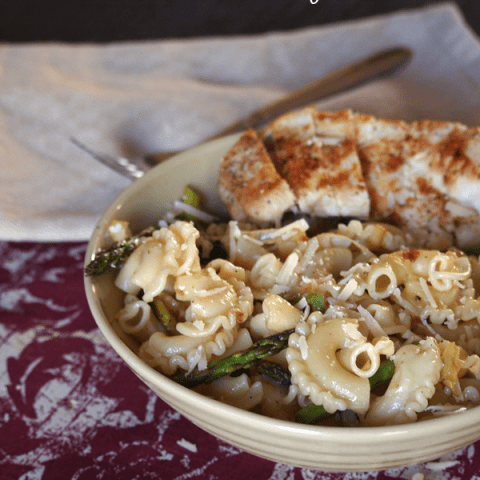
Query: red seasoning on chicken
x,y
323,171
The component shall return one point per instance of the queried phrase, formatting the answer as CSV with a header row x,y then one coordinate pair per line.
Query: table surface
x,y
71,409
65,410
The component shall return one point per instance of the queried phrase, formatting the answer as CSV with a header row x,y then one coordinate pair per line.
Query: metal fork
x,y
380,64
130,167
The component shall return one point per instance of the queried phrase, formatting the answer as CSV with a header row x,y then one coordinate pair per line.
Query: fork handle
x,y
340,80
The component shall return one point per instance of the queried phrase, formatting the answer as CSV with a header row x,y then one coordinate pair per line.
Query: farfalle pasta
x,y
191,305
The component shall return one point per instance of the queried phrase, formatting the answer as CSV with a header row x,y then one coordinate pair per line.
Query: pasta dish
x,y
356,325
381,301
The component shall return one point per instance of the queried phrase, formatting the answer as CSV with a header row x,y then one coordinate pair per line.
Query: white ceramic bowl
x,y
322,448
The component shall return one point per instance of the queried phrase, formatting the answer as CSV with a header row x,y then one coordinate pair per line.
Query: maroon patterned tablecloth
x,y
70,409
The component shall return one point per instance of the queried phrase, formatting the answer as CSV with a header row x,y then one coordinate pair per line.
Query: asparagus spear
x,y
274,373
315,413
475,251
262,349
316,302
311,414
383,375
113,257
163,314
190,197
245,359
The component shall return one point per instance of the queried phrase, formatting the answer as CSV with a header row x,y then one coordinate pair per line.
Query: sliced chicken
x,y
450,155
411,177
378,144
323,172
423,177
249,184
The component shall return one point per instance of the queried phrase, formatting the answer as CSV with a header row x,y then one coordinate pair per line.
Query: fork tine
x,y
121,165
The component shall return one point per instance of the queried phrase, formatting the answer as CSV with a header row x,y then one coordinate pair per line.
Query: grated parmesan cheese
x,y
200,214
286,272
372,324
250,239
303,345
442,410
348,290
428,294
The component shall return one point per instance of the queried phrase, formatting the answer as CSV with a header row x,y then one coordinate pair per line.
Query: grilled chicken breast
x,y
422,176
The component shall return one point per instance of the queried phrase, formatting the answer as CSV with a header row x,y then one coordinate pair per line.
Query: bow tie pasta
x,y
277,322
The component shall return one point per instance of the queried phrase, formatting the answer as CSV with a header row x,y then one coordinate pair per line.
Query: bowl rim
x,y
350,434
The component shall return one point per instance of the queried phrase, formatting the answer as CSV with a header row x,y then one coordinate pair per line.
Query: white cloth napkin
x,y
141,97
